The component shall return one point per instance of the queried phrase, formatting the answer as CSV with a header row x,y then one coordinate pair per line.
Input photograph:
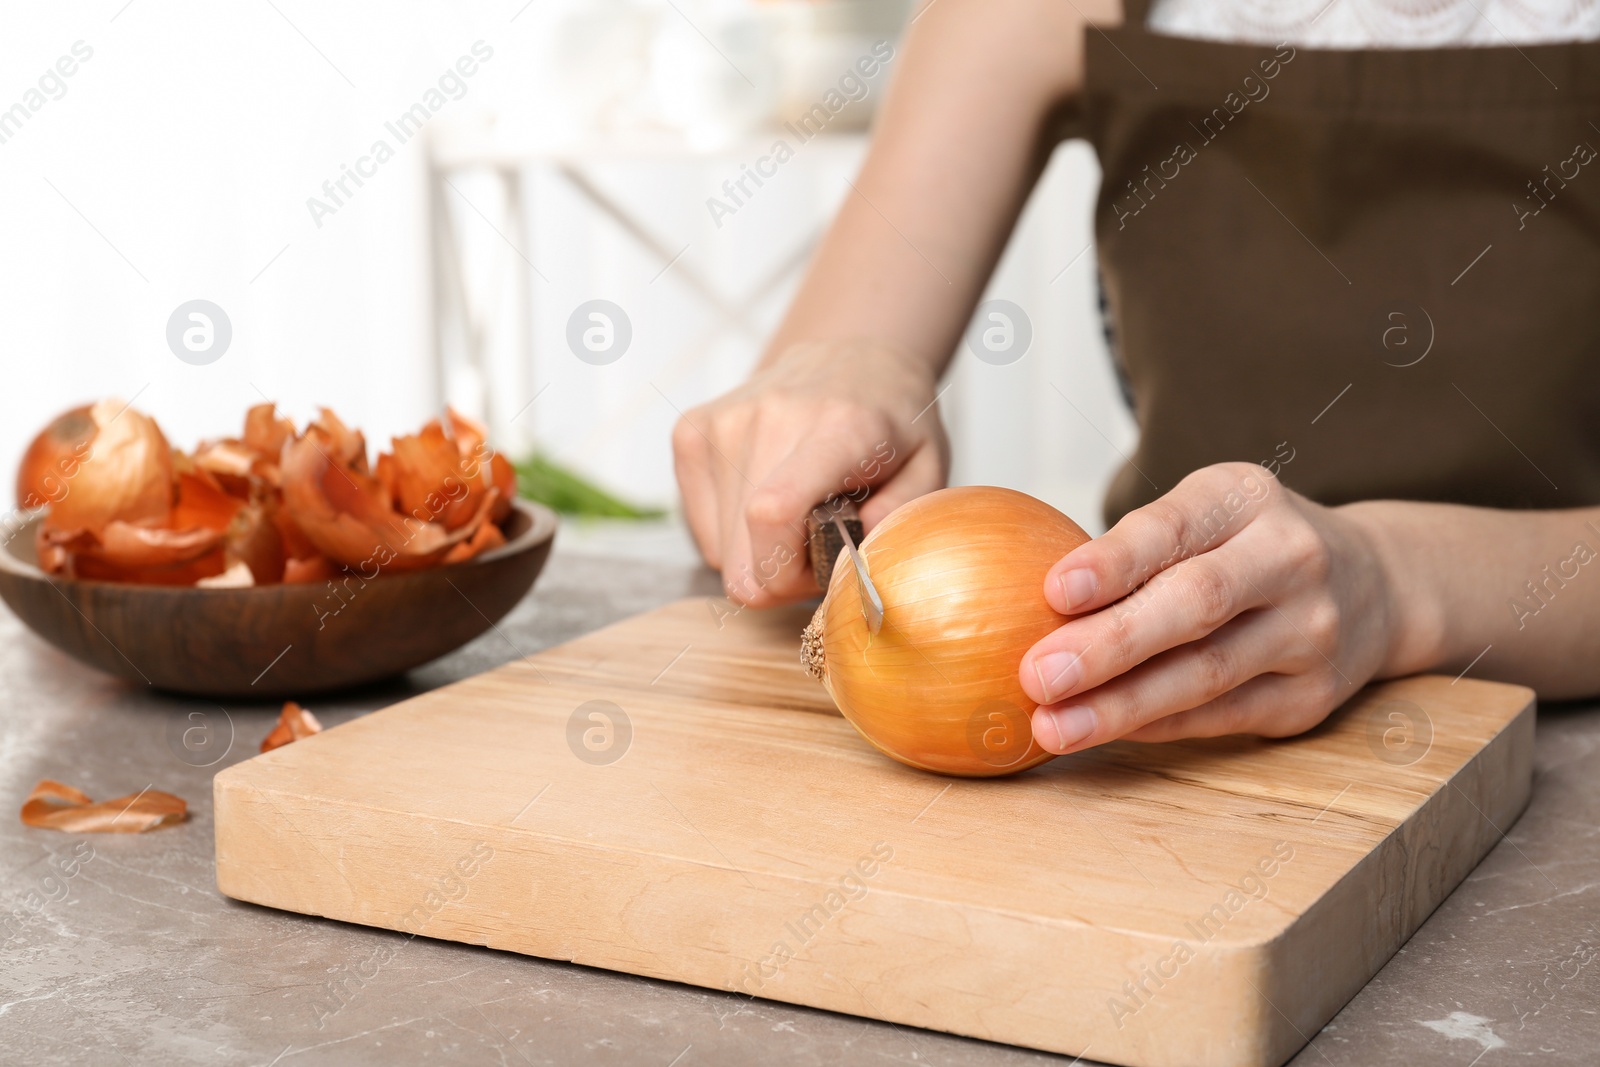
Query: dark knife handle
x,y
822,536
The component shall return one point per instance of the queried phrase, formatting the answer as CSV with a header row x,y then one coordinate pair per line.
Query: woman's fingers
x,y
1185,677
827,418
1256,611
1209,507
1270,705
726,463
692,456
846,457
1183,603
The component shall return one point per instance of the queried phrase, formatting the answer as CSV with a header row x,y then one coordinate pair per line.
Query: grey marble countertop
x,y
127,954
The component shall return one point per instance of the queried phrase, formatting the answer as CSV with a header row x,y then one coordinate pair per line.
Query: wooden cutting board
x,y
720,824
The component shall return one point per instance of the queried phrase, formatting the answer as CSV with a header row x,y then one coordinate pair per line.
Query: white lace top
x,y
1379,23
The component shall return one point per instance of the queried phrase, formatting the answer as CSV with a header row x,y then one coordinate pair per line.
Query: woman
x,y
1372,272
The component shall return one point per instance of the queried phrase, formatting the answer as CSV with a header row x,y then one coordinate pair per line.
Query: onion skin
x,y
265,433
439,472
348,514
961,573
270,506
127,478
97,465
53,457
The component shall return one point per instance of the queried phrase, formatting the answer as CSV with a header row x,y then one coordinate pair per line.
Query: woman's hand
x,y
834,418
1230,605
978,93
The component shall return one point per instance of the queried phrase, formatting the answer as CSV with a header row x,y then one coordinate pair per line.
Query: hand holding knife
x,y
834,526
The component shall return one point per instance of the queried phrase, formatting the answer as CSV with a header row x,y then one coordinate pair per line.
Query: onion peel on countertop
x,y
294,724
54,806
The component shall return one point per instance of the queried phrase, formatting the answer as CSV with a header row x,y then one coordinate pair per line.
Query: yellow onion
x,y
961,573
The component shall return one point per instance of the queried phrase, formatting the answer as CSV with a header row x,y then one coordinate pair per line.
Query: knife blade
x,y
834,527
871,602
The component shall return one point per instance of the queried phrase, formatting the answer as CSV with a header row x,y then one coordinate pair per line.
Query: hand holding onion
x,y
1230,605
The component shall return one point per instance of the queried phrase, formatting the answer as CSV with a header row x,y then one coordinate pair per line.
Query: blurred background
x,y
402,206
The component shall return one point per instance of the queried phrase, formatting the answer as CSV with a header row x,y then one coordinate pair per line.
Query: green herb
x,y
557,488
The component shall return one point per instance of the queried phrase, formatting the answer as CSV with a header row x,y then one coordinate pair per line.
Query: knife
x,y
834,526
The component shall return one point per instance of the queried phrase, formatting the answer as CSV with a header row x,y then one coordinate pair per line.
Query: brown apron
x,y
1376,271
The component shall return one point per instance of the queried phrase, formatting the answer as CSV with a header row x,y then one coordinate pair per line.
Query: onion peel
x,y
54,806
487,537
269,506
127,476
265,433
52,458
423,474
348,515
314,569
294,724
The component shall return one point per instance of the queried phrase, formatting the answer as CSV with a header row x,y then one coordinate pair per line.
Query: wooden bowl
x,y
276,641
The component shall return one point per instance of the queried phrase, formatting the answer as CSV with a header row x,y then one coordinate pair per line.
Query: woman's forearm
x,y
961,139
1520,589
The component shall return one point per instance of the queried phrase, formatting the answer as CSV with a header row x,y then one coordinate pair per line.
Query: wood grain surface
x,y
1211,902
